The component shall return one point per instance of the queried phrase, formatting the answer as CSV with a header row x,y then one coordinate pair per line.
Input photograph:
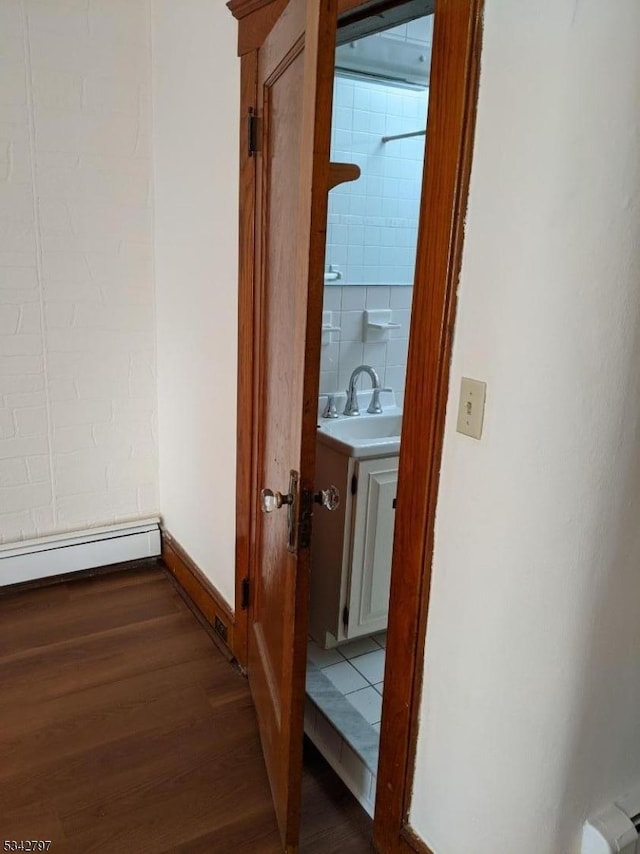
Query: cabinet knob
x,y
328,498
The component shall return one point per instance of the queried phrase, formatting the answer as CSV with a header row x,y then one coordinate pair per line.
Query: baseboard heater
x,y
615,829
78,550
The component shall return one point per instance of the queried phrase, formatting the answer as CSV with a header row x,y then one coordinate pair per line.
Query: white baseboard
x,y
73,552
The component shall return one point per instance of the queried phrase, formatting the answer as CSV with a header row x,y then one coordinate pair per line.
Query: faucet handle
x,y
330,410
375,407
351,406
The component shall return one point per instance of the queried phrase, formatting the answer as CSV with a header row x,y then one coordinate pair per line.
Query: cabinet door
x,y
373,523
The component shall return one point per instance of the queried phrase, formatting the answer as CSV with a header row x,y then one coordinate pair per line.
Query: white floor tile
x,y
376,726
345,677
371,666
322,657
379,687
359,647
368,702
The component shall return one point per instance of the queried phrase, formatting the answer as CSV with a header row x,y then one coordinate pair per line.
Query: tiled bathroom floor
x,y
357,672
343,710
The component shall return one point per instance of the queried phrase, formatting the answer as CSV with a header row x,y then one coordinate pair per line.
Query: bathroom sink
x,y
363,435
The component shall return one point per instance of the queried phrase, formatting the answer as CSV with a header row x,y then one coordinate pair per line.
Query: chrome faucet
x,y
351,406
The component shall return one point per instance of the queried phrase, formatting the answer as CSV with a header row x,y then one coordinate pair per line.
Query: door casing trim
x,y
450,135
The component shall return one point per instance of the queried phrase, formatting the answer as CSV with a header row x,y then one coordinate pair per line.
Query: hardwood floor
x,y
123,729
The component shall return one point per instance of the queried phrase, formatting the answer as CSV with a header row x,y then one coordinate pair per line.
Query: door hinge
x,y
252,132
354,485
244,602
345,617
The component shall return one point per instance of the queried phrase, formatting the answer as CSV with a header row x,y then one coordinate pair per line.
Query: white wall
x,y
77,386
196,79
78,391
529,715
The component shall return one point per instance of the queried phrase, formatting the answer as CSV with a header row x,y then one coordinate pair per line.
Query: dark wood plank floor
x,y
123,729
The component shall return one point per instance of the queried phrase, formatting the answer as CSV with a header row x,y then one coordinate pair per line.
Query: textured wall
x,y
529,717
196,78
77,387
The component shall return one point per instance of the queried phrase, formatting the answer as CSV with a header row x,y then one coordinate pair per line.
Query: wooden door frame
x,y
451,122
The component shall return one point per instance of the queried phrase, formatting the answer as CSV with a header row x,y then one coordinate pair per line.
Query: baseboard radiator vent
x,y
78,550
615,829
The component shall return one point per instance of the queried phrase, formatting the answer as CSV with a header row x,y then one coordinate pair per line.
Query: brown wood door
x,y
294,94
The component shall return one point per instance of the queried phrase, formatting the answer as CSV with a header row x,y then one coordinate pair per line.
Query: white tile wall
x,y
420,31
348,350
372,222
372,226
77,361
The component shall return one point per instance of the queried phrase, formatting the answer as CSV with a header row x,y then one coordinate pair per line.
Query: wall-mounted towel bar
x,y
404,135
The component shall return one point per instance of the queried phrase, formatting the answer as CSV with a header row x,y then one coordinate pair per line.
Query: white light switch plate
x,y
471,407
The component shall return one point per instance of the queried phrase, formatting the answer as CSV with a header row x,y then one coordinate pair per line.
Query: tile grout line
x,y
38,242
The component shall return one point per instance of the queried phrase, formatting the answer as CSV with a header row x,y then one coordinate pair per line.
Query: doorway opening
x,y
379,121
288,76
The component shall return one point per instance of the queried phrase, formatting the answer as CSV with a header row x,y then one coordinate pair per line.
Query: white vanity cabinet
x,y
352,547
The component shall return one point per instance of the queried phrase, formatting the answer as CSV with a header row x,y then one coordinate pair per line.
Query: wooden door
x,y
453,95
293,175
